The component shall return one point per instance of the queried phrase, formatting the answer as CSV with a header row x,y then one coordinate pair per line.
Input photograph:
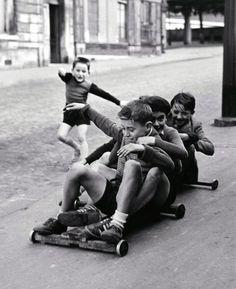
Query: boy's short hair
x,y
83,60
136,110
186,99
157,103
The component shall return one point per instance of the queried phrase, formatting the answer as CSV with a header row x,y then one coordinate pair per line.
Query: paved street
x,y
196,252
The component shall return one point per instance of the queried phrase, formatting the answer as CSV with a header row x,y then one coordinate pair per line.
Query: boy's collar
x,y
161,133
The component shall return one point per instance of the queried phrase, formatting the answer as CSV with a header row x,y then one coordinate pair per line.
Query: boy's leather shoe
x,y
51,226
113,235
94,231
81,217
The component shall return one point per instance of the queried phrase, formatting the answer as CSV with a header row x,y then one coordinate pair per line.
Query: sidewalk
x,y
105,64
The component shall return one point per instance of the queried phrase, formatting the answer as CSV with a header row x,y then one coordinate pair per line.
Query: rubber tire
x,y
32,236
180,211
122,248
214,185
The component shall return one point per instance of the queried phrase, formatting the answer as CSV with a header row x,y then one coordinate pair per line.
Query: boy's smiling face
x,y
133,129
80,71
160,120
180,116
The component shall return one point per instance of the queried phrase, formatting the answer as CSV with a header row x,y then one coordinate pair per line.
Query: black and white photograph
x,y
118,144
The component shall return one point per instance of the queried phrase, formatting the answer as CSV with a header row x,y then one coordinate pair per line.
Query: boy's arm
x,y
203,144
173,146
94,89
157,157
109,127
95,155
65,76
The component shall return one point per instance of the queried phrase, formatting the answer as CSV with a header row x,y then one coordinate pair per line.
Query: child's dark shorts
x,y
75,117
107,204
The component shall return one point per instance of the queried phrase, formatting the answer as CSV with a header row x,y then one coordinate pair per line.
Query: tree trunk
x,y
187,28
201,34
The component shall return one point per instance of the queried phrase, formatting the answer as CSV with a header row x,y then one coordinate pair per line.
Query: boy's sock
x,y
119,219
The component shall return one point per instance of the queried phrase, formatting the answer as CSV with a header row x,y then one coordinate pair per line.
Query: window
x,y
146,12
93,20
122,21
7,16
79,20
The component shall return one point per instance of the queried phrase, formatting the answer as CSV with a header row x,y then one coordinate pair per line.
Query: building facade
x,y
39,32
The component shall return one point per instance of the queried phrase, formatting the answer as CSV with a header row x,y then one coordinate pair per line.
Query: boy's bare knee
x,y
77,170
104,159
97,167
154,173
132,164
81,139
61,137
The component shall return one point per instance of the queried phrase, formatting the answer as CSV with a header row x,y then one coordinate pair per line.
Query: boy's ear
x,y
149,125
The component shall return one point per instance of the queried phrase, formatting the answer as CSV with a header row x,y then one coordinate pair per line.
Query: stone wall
x,y
25,48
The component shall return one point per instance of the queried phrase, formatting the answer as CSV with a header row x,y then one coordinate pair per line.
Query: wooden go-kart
x,y
76,238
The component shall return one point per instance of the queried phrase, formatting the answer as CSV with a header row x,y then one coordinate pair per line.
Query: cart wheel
x,y
122,248
214,185
179,211
32,236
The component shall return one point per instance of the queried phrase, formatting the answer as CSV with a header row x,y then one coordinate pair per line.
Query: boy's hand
x,y
123,103
74,106
130,148
146,140
61,71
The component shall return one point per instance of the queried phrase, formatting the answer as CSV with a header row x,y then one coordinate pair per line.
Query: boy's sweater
x,y
197,136
78,91
96,154
150,157
169,141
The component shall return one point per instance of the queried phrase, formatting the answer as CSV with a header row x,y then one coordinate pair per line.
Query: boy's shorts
x,y
75,117
107,204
